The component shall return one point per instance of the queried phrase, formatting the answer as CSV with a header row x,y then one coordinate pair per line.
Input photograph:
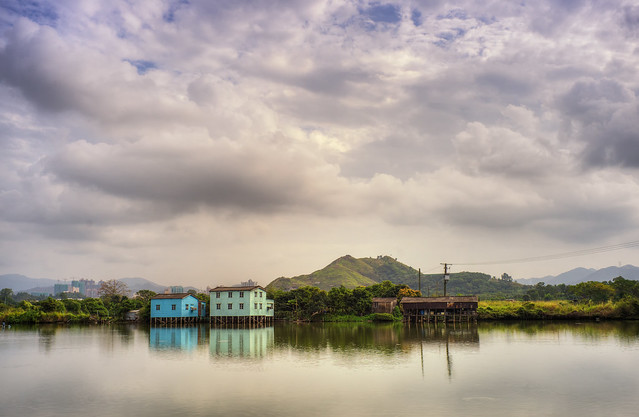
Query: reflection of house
x,y
440,308
241,305
174,338
384,304
243,342
176,309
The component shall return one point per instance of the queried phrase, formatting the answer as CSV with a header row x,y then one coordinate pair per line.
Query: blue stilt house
x,y
178,309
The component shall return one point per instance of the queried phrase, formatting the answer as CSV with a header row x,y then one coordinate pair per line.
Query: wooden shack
x,y
384,304
427,309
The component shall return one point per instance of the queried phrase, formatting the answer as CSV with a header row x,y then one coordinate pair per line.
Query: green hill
x,y
353,272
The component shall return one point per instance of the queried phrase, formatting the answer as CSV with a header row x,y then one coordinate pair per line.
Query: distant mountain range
x,y
20,283
353,272
577,275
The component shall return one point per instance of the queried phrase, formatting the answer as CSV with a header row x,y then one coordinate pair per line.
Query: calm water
x,y
589,369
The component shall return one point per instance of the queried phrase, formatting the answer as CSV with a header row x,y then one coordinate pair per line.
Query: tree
x,y
6,296
408,292
593,290
507,278
145,295
94,307
51,305
113,290
72,306
624,287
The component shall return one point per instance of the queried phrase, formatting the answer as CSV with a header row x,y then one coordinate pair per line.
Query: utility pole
x,y
446,276
420,280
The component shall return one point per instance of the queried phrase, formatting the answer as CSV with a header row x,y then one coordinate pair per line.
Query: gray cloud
x,y
243,125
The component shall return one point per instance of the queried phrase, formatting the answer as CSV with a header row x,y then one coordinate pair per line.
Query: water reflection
x,y
377,338
255,343
46,337
626,332
176,338
522,369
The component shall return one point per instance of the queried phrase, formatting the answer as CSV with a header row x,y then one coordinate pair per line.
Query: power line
x,y
583,252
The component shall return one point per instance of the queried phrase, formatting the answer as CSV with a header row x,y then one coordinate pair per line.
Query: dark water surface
x,y
556,369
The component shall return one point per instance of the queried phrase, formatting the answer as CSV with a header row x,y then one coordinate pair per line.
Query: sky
x,y
206,143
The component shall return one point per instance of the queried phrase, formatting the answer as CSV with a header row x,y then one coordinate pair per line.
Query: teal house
x,y
182,308
241,305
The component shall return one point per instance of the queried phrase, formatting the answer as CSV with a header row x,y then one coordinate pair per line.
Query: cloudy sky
x,y
202,143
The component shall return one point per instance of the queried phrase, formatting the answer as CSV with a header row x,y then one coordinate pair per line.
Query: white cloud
x,y
235,130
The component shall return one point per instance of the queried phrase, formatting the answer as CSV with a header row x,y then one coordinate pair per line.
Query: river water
x,y
497,369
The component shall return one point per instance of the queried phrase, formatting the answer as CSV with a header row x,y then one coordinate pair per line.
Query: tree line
x,y
595,291
113,303
312,303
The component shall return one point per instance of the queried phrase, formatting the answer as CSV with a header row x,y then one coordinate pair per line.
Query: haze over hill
x,y
354,272
577,275
21,283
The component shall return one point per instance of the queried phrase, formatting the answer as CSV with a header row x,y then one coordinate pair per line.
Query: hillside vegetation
x,y
351,272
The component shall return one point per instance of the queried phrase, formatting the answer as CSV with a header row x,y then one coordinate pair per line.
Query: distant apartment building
x,y
60,288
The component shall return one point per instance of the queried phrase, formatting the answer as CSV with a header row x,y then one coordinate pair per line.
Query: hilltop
x,y
354,272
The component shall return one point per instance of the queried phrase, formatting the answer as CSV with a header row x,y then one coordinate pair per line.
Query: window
x,y
256,306
157,306
241,294
260,306
187,307
173,306
230,306
230,294
217,295
256,293
261,294
241,306
218,306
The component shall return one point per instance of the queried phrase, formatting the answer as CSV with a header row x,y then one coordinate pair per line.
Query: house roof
x,y
467,299
177,296
384,299
250,288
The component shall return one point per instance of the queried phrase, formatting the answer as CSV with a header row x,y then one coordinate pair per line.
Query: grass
x,y
539,310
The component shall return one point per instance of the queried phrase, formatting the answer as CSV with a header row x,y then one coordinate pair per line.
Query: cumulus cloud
x,y
249,125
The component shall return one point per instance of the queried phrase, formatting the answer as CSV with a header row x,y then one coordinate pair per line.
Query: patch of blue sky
x,y
448,37
383,13
174,6
42,13
416,17
454,14
142,66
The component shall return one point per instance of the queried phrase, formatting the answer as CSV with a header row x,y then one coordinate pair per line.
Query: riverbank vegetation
x,y
113,305
616,299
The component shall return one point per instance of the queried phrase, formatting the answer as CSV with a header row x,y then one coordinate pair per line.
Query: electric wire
x,y
583,252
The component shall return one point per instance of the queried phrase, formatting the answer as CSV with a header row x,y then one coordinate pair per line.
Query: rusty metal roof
x,y
452,299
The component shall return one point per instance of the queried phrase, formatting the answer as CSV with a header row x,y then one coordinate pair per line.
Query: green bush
x,y
382,317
